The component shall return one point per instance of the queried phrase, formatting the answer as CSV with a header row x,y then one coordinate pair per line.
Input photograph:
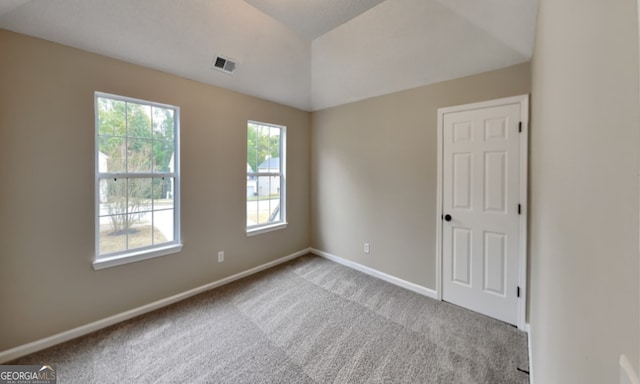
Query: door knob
x,y
447,217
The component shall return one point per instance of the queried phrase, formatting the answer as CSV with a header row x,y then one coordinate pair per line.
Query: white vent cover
x,y
224,64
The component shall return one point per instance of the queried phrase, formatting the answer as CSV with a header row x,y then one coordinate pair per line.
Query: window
x,y
137,182
265,177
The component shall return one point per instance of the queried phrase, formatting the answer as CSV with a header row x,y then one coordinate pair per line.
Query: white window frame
x,y
282,223
152,251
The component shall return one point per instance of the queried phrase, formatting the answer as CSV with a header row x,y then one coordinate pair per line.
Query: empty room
x,y
320,191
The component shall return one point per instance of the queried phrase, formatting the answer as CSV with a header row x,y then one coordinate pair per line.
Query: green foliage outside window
x,y
262,141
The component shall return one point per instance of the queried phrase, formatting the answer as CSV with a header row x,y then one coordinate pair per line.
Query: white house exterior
x,y
102,166
171,169
269,185
251,182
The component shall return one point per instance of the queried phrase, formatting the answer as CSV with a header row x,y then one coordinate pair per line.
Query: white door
x,y
481,207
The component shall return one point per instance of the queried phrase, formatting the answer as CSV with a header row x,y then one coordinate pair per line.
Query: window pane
x,y
163,160
274,198
252,209
163,123
103,193
252,153
138,120
163,191
111,154
140,232
111,117
263,211
268,186
260,151
274,214
113,197
139,196
139,155
274,144
163,210
111,240
252,187
163,227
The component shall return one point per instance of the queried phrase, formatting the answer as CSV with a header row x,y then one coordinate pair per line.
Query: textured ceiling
x,y
307,54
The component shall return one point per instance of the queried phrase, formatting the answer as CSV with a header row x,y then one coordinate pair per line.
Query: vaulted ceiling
x,y
309,54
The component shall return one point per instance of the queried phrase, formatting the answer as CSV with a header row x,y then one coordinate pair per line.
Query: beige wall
x,y
584,191
374,173
47,283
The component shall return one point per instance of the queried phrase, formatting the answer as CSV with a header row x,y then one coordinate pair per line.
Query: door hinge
x,y
520,127
518,292
519,209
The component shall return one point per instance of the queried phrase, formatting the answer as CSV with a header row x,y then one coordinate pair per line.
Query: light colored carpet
x,y
306,321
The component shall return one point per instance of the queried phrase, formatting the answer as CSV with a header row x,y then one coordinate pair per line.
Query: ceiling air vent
x,y
224,64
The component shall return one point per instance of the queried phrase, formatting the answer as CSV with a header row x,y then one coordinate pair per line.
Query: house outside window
x,y
137,183
266,202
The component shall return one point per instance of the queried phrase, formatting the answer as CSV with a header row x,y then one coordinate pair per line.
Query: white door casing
x,y
482,172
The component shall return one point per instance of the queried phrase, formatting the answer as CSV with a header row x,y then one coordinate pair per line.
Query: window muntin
x,y
266,163
137,179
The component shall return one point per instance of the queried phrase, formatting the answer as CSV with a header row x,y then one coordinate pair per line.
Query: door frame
x,y
523,100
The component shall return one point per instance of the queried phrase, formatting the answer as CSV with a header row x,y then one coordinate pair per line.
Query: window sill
x,y
265,229
132,257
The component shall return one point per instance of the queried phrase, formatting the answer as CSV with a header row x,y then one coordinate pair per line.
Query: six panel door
x,y
480,230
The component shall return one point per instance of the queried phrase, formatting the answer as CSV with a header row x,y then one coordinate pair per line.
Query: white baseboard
x,y
380,275
50,341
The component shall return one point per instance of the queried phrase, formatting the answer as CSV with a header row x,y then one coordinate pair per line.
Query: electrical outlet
x,y
366,248
220,256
